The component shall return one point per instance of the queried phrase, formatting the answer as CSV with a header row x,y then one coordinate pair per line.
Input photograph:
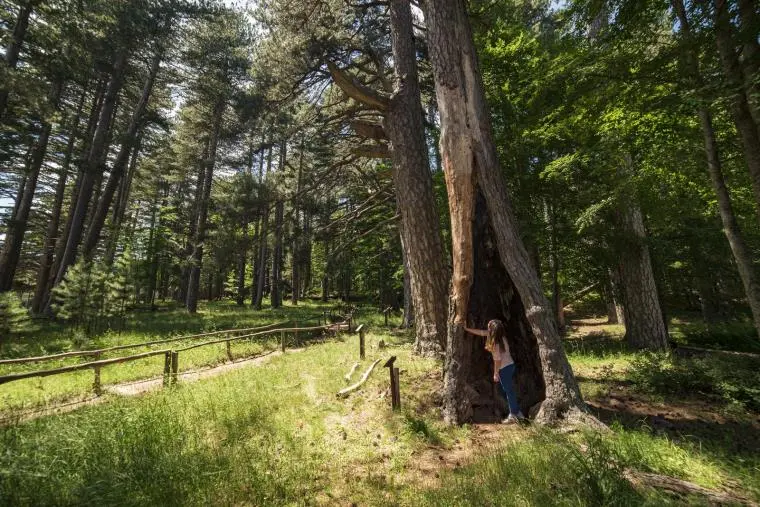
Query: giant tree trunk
x,y
404,124
14,47
469,158
122,159
745,125
644,324
279,210
14,237
739,248
93,166
191,303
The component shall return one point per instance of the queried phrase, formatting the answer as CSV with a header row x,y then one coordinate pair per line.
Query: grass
x,y
276,434
143,327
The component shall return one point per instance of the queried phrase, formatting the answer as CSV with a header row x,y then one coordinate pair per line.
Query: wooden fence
x,y
171,356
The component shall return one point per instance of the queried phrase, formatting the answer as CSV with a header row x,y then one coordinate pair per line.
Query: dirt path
x,y
138,387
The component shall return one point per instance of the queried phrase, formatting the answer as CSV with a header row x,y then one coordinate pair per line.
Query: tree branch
x,y
356,90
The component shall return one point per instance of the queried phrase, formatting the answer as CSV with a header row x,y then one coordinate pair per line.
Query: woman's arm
x,y
476,332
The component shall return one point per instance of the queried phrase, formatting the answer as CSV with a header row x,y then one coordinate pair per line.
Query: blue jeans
x,y
506,380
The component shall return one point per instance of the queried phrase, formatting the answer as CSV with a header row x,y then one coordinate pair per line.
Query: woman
x,y
503,365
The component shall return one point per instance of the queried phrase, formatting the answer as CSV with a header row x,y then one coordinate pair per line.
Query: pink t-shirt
x,y
502,358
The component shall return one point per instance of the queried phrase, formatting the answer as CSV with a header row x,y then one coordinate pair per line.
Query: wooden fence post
x,y
295,335
396,388
282,341
96,384
350,318
395,394
167,368
360,329
229,351
175,366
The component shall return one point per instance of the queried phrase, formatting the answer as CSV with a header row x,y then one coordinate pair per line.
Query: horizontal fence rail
x,y
98,352
171,355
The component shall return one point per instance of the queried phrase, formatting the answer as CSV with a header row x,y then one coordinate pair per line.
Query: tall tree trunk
x,y
93,165
14,236
745,125
326,275
739,248
279,209
191,304
122,202
615,313
242,256
48,249
644,324
14,47
262,256
122,159
306,259
404,124
469,158
296,280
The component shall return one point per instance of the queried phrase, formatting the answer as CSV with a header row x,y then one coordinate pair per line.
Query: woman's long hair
x,y
496,334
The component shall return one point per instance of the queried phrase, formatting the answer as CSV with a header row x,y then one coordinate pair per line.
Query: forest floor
x,y
274,432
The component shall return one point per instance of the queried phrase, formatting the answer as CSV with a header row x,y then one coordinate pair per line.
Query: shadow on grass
x,y
598,344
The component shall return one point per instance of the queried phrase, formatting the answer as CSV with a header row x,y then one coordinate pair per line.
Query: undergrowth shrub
x,y
732,380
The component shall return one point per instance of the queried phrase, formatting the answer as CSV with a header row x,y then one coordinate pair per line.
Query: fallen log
x,y
349,389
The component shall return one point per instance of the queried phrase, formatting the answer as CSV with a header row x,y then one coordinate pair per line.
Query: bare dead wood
x,y
372,151
351,373
356,90
369,130
681,487
349,389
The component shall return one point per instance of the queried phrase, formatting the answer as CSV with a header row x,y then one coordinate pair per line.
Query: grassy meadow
x,y
277,434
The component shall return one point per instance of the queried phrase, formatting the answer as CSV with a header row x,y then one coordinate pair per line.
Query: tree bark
x,y
48,249
615,312
469,158
14,47
644,324
408,320
14,236
745,125
93,165
122,159
739,248
191,303
404,124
